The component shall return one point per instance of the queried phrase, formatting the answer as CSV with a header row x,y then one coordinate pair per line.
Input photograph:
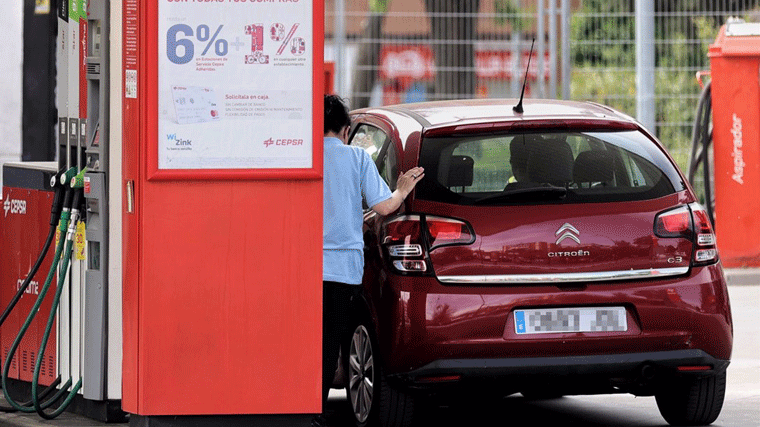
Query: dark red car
x,y
555,252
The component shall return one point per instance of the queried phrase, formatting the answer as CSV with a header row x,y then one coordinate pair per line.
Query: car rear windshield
x,y
557,167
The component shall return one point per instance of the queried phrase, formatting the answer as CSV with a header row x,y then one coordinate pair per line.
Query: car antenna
x,y
519,108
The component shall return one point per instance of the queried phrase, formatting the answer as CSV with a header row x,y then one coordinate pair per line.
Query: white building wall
x,y
11,54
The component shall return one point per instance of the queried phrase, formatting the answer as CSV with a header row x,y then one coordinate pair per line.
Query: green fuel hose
x,y
62,227
55,213
77,184
35,379
67,216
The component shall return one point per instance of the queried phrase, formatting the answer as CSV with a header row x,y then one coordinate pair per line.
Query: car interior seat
x,y
551,161
592,168
460,172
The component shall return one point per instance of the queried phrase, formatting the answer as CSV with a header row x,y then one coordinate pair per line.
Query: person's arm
x,y
404,186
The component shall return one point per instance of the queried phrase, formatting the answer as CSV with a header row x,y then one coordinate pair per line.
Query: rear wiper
x,y
538,192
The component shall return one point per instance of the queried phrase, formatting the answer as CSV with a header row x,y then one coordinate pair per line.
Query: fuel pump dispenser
x,y
219,160
222,165
67,339
733,97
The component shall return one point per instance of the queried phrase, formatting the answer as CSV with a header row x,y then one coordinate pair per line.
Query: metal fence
x,y
392,51
604,59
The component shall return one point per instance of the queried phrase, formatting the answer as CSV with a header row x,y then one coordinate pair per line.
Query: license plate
x,y
575,319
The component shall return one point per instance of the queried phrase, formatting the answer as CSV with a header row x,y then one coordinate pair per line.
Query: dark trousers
x,y
336,313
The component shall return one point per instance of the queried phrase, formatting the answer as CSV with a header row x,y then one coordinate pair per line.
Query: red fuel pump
x,y
735,71
222,164
27,198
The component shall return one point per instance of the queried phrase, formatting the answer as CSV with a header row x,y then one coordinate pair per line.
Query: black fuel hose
x,y
702,136
60,187
55,213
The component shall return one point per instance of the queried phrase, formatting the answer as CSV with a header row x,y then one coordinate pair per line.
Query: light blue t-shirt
x,y
349,175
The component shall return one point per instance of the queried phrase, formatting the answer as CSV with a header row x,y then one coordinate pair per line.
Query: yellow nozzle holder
x,y
66,177
78,180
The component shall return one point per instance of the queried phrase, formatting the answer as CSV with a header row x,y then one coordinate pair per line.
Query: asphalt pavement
x,y
742,396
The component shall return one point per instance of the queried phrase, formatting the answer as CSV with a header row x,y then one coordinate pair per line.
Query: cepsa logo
x,y
284,142
14,206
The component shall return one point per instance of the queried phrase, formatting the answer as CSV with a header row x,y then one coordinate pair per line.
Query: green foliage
x,y
507,13
604,58
378,6
604,31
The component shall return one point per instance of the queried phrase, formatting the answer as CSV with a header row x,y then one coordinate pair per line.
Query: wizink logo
x,y
268,142
14,206
172,137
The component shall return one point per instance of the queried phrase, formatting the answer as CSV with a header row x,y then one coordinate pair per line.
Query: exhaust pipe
x,y
647,373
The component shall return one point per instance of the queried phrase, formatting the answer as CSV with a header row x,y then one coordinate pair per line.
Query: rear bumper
x,y
610,365
638,373
437,326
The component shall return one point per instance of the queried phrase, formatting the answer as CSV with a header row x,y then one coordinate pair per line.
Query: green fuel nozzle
x,y
59,183
77,181
65,178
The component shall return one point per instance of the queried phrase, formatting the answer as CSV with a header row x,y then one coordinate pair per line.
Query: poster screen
x,y
235,84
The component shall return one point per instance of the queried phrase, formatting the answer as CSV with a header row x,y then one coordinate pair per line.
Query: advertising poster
x,y
235,84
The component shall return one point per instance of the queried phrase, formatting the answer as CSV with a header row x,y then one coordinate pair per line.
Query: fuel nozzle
x,y
77,180
76,184
58,183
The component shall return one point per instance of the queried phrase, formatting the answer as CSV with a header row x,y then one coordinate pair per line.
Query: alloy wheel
x,y
361,374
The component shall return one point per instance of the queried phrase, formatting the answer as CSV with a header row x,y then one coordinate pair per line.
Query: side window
x,y
635,173
372,140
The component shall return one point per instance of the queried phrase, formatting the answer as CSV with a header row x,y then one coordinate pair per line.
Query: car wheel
x,y
692,401
373,401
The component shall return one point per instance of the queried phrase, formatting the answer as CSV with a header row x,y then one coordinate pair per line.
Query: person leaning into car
x,y
350,175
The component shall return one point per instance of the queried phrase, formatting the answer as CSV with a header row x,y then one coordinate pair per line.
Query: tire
x,y
373,401
692,401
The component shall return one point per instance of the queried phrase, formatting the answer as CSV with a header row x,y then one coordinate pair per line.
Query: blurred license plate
x,y
575,319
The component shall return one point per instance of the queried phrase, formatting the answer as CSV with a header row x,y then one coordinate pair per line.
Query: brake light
x,y
706,252
404,240
448,231
673,223
402,229
690,222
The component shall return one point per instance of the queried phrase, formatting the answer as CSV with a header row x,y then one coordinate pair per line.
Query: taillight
x,y
673,223
690,222
448,231
706,252
408,248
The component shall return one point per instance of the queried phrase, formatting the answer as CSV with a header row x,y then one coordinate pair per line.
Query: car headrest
x,y
593,166
460,171
551,161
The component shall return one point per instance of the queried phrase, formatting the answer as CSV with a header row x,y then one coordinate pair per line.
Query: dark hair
x,y
336,114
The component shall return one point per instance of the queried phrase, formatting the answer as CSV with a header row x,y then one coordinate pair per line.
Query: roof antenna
x,y
519,108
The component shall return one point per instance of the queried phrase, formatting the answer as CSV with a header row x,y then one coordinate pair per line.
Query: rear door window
x,y
564,167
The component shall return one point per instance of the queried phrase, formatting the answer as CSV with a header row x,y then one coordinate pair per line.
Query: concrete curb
x,y
742,276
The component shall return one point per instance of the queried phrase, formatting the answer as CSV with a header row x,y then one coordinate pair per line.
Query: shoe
x,y
319,421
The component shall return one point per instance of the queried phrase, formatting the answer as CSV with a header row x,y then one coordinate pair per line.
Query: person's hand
x,y
409,179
